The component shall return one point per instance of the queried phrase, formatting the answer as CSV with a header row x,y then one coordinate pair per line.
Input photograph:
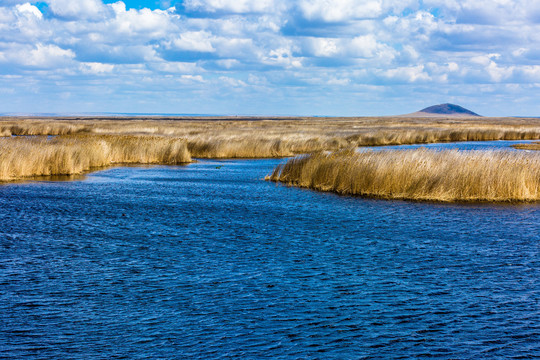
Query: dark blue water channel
x,y
208,261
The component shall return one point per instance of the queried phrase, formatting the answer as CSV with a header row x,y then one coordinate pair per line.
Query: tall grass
x,y
22,157
260,137
530,146
418,174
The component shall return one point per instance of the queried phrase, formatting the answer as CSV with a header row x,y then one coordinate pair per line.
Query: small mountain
x,y
444,110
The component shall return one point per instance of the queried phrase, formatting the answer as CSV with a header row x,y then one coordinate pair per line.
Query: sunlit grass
x,y
84,144
22,157
418,174
260,138
529,146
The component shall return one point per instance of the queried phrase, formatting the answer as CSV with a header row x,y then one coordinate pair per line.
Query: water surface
x,y
207,261
505,145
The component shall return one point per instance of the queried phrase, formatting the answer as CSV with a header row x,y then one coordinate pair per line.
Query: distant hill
x,y
444,110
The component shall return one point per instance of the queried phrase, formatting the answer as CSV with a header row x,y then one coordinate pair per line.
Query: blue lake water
x,y
208,261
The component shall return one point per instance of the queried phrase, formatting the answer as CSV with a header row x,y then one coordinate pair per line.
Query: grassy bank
x,y
22,157
418,174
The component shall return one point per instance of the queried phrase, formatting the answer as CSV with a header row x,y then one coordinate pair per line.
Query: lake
x,y
208,261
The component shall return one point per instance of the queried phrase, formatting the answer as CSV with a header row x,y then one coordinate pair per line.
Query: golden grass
x,y
530,146
22,157
418,174
84,143
281,137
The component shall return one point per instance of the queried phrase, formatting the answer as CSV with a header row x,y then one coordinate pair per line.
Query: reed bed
x,y
530,146
83,143
427,175
281,137
22,157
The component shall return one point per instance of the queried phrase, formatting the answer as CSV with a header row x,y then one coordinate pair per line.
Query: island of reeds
x,y
35,146
422,174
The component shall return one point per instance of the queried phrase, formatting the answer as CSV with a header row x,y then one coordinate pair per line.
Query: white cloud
x,y
29,10
324,46
149,24
200,41
232,82
175,67
192,78
39,56
96,68
228,63
79,9
233,6
407,74
340,10
23,23
365,46
350,43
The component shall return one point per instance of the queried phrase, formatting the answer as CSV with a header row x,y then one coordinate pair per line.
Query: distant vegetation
x,y
255,138
83,144
530,146
418,174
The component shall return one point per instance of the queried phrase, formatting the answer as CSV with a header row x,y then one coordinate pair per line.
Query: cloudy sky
x,y
269,57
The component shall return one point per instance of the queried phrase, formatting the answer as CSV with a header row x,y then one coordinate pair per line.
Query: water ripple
x,y
199,262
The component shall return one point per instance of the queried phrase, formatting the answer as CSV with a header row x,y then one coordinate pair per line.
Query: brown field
x,y
420,174
79,144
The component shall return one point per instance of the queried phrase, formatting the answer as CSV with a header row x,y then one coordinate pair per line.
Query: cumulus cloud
x,y
340,10
80,9
345,43
365,46
199,41
29,10
39,56
233,6
144,24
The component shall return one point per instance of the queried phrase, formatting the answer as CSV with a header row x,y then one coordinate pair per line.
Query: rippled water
x,y
208,261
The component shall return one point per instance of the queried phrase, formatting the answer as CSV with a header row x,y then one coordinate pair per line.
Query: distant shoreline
x,y
120,117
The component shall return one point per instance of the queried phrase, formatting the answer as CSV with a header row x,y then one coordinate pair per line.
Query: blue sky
x,y
269,57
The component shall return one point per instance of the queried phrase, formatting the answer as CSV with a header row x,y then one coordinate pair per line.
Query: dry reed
x,y
418,174
22,157
280,137
97,142
530,146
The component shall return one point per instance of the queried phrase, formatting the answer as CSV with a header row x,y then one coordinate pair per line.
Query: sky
x,y
269,57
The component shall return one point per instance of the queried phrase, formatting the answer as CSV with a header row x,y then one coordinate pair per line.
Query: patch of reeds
x,y
40,127
259,146
428,175
263,138
530,146
22,157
